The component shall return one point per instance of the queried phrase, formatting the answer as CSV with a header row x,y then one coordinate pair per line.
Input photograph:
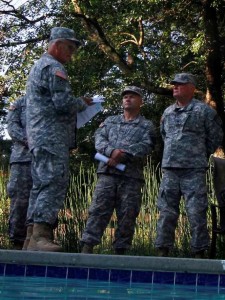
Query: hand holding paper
x,y
105,159
84,116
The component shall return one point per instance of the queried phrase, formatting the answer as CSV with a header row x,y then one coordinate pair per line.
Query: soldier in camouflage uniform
x,y
51,119
127,139
20,180
191,131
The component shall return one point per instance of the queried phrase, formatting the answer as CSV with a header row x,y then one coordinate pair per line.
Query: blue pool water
x,y
36,288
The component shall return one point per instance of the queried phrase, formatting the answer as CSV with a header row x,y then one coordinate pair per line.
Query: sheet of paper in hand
x,y
84,116
98,98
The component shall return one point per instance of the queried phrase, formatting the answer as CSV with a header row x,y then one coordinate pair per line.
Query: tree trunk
x,y
214,95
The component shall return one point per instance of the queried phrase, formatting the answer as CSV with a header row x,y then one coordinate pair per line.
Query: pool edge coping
x,y
121,262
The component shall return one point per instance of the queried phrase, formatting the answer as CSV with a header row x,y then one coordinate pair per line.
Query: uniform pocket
x,y
193,123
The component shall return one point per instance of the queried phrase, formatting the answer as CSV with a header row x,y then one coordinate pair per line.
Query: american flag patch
x,y
61,74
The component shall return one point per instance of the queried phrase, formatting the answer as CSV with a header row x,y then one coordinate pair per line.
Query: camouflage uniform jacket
x,y
191,134
135,137
16,125
51,107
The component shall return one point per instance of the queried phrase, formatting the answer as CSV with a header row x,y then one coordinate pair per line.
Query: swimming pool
x,y
42,275
36,288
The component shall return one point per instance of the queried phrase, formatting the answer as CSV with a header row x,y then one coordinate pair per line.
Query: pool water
x,y
35,288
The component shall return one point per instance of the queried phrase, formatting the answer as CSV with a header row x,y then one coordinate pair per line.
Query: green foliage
x,y
136,42
152,32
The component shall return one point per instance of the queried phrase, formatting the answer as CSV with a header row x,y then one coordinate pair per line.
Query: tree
x,y
138,42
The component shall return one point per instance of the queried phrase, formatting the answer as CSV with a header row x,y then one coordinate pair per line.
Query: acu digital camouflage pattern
x,y
18,189
136,137
20,180
184,78
51,107
191,134
50,180
117,189
132,89
51,119
191,183
119,193
16,127
63,33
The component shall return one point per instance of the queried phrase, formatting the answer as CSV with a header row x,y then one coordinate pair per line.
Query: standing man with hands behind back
x,y
127,139
20,180
51,115
191,131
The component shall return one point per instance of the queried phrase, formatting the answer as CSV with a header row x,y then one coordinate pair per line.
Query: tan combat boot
x,y
42,239
29,234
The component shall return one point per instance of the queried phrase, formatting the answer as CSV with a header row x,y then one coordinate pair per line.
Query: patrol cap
x,y
132,89
63,33
184,78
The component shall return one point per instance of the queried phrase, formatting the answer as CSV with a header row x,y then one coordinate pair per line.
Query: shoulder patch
x,y
61,74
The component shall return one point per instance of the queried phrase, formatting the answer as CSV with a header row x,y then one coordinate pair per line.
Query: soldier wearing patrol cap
x,y
183,78
191,131
132,89
127,139
63,33
51,120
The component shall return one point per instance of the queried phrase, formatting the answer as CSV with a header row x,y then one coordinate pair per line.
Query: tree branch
x,y
97,35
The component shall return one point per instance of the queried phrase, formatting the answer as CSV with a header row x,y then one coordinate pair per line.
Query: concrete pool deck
x,y
124,262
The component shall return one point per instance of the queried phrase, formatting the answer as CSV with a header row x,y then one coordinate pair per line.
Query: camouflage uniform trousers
x,y
191,183
18,188
50,181
114,192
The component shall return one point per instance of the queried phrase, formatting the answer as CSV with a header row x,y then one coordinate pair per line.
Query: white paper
x,y
84,116
105,159
98,98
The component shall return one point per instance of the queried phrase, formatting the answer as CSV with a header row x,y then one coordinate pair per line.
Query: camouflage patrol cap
x,y
132,89
63,33
184,78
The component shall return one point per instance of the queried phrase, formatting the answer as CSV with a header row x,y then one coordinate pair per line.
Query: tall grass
x,y
4,210
73,217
